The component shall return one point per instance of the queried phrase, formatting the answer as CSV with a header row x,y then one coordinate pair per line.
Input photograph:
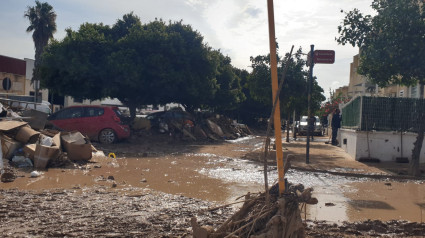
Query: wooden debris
x,y
280,218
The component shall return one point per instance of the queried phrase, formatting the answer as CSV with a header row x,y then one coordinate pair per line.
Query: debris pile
x,y
183,125
277,217
25,147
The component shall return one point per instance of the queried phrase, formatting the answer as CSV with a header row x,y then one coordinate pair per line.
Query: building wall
x,y
385,146
29,88
14,69
358,86
17,83
343,91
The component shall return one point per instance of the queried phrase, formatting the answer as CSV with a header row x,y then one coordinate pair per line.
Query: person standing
x,y
336,124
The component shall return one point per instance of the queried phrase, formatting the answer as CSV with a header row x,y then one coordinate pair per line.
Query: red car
x,y
100,123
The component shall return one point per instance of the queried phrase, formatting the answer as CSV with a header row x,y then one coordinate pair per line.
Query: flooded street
x,y
218,174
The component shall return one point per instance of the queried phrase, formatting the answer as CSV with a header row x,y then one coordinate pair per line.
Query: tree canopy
x,y
140,64
294,92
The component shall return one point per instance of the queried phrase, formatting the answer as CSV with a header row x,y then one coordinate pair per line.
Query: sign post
x,y
319,57
324,57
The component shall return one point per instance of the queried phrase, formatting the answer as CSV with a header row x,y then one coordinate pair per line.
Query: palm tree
x,y
43,24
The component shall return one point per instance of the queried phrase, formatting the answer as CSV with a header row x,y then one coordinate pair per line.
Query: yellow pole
x,y
276,118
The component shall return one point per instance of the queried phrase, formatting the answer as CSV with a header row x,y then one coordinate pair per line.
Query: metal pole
x,y
310,86
276,118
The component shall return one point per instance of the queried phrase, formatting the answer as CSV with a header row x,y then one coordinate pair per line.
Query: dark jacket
x,y
336,121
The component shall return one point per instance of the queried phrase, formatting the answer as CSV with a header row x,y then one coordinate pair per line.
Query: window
x,y
401,94
75,112
93,111
414,92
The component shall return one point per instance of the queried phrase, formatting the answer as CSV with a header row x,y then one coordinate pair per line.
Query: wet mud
x,y
154,187
101,213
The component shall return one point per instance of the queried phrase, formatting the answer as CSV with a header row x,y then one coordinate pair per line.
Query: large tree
x,y
392,49
153,63
229,93
294,92
42,20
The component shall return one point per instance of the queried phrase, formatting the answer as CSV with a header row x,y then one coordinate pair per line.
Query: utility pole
x,y
310,88
276,118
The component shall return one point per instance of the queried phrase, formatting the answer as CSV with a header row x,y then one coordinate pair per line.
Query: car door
x,y
92,121
68,119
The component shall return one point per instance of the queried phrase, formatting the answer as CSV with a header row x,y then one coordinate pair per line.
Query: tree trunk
x,y
414,169
132,109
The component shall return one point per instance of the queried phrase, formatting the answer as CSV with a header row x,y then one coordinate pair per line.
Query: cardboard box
x,y
27,135
9,146
35,118
43,154
29,151
76,145
9,125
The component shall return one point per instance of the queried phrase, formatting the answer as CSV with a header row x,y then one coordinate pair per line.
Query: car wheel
x,y
107,136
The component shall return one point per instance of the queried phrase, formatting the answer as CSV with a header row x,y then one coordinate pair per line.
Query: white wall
x,y
385,146
30,87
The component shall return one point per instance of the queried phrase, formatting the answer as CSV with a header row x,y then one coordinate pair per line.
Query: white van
x,y
44,106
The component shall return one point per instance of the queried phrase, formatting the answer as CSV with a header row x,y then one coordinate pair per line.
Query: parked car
x,y
303,126
99,123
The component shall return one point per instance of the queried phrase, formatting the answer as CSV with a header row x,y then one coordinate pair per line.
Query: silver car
x,y
318,128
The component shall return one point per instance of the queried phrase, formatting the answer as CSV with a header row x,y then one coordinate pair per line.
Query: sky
x,y
239,28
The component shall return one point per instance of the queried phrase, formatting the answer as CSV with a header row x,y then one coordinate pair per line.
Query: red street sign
x,y
324,57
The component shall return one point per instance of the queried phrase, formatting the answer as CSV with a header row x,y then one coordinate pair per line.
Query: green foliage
x,y
229,94
294,92
76,65
392,42
153,63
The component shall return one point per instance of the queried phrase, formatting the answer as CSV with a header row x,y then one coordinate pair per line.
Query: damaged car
x,y
99,123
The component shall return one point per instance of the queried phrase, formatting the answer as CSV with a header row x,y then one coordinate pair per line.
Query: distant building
x,y
359,85
12,75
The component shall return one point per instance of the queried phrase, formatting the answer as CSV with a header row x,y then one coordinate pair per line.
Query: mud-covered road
x,y
155,185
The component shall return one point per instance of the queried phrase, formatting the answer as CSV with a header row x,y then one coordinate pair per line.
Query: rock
x,y
97,166
114,185
8,177
144,181
110,177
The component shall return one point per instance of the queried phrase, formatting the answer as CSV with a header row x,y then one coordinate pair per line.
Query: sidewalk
x,y
328,158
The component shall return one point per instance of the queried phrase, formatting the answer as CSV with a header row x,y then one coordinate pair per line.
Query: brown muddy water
x,y
218,174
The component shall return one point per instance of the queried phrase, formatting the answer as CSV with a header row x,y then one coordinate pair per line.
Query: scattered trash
x,y
112,155
35,174
22,161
